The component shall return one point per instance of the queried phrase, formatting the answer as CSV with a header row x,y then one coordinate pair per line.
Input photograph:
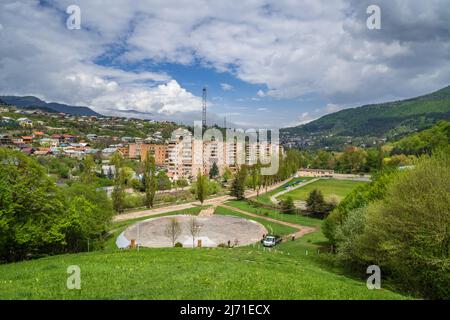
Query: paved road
x,y
302,230
212,202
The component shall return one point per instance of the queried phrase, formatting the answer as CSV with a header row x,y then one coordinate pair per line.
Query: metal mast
x,y
204,108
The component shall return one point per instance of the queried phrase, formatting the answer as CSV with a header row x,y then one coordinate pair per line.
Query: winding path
x,y
209,202
302,230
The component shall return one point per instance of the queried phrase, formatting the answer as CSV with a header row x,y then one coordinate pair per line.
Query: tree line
x,y
38,217
400,222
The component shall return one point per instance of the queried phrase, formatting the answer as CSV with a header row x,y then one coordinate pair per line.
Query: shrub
x,y
178,245
407,232
133,200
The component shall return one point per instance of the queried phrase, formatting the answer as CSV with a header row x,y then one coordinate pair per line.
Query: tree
x,y
173,230
37,217
287,206
181,183
214,172
118,194
408,230
201,187
353,160
88,174
315,202
194,229
163,181
226,175
238,184
255,177
324,160
150,182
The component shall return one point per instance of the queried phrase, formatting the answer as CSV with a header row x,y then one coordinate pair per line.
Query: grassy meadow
x,y
293,270
329,187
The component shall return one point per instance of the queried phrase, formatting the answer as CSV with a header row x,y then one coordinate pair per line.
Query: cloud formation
x,y
292,47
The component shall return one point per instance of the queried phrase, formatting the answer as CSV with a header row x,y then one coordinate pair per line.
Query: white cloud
x,y
226,87
166,99
260,93
40,57
292,47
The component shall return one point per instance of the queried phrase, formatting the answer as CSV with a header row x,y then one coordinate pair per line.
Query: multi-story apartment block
x,y
187,155
140,150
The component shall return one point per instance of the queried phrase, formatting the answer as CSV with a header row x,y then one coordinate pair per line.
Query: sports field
x,y
329,187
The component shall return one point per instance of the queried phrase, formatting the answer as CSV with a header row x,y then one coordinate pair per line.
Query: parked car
x,y
271,241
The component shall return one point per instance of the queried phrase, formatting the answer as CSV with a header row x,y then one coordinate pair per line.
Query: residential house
x,y
25,122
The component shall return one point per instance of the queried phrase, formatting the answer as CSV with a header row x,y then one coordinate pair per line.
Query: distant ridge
x,y
379,120
33,102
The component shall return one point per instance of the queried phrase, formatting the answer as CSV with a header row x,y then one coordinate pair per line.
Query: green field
x,y
294,270
265,197
275,214
329,187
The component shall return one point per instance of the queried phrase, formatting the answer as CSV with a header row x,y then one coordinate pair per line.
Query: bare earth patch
x,y
214,230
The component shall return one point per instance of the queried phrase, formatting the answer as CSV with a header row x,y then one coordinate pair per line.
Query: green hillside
x,y
242,273
181,273
380,120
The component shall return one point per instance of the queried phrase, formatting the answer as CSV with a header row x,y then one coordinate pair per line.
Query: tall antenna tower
x,y
204,108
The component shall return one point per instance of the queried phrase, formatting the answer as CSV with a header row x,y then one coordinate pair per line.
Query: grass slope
x,y
292,271
265,197
243,273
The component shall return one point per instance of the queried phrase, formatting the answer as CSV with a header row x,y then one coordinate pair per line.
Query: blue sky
x,y
265,63
228,98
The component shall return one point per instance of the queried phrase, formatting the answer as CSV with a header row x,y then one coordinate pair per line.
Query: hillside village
x,y
40,133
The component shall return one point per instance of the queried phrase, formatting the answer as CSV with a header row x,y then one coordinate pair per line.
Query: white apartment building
x,y
186,155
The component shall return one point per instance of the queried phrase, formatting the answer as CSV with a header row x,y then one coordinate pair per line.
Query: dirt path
x,y
302,230
209,202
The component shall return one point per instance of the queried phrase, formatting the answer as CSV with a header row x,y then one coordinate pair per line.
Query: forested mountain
x,y
33,102
384,120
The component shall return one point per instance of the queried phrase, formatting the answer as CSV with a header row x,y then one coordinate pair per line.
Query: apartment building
x,y
139,151
186,155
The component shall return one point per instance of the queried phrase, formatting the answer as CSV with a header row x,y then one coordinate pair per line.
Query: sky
x,y
266,64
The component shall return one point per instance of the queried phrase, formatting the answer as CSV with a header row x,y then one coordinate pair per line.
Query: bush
x,y
178,245
133,200
407,232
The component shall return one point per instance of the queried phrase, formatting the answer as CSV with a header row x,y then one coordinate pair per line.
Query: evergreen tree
x,y
238,185
287,206
214,172
149,179
201,187
315,202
